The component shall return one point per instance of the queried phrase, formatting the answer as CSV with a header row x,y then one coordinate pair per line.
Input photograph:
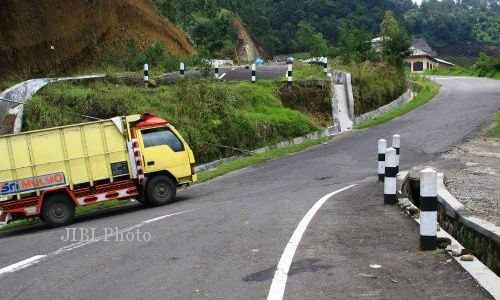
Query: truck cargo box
x,y
62,156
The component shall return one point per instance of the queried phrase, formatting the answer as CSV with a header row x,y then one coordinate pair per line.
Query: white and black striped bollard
x,y
289,62
146,75
390,196
182,70
396,144
325,65
382,145
428,209
254,78
216,71
289,74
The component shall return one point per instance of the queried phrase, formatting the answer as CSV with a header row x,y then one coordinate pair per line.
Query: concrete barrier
x,y
403,99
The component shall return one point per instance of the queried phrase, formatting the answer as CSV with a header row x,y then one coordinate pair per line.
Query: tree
x,y
310,40
354,45
395,41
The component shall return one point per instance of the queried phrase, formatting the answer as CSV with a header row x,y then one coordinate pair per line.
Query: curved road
x,y
223,239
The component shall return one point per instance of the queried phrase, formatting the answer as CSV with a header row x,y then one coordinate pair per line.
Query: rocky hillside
x,y
39,38
246,48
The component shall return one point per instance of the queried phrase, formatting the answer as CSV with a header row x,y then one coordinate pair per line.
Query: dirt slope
x,y
40,37
246,48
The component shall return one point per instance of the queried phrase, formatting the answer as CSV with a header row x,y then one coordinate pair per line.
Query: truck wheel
x,y
161,190
58,210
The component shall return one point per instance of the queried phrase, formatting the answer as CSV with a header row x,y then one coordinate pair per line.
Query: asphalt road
x,y
237,73
227,235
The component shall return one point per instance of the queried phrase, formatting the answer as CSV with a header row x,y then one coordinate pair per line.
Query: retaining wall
x,y
405,98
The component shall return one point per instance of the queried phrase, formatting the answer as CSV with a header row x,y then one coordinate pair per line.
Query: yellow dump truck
x,y
49,172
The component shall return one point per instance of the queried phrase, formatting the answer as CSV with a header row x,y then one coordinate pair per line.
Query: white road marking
x,y
220,77
22,264
166,216
38,258
277,289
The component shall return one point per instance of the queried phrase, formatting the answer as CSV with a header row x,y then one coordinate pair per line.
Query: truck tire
x,y
57,210
160,190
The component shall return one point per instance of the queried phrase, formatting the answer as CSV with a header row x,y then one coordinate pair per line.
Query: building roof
x,y
444,62
424,46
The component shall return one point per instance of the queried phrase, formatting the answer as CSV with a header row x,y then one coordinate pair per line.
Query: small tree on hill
x,y
310,40
395,40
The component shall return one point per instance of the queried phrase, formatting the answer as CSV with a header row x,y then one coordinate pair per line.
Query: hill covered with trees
x,y
277,24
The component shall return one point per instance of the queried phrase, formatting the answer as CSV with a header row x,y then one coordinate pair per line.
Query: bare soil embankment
x,y
39,38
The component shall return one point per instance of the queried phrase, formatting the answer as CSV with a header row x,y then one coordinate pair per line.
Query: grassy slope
x,y
426,91
207,114
495,131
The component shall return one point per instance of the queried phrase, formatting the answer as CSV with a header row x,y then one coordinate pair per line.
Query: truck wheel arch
x,y
64,190
161,173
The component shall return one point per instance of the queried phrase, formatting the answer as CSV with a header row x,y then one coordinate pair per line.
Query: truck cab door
x,y
162,150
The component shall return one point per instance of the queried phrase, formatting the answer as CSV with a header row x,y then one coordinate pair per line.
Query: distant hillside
x,y
38,38
274,23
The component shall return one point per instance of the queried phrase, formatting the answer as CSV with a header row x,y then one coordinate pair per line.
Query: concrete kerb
x,y
453,208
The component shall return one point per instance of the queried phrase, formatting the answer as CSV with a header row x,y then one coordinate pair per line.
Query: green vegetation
x,y
208,114
275,23
225,168
485,66
374,84
495,131
130,58
455,23
311,40
79,211
210,26
6,84
426,91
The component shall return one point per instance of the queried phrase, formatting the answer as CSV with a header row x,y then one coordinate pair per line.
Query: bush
x,y
375,85
487,66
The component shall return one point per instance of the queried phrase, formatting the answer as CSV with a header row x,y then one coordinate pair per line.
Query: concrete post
x,y
289,62
382,145
325,65
216,71
428,209
390,177
396,144
146,75
289,73
253,73
182,70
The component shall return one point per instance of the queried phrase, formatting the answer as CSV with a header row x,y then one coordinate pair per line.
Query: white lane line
x,y
220,77
21,265
166,216
38,258
277,289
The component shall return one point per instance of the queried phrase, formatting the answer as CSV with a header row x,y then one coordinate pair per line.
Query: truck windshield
x,y
161,136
